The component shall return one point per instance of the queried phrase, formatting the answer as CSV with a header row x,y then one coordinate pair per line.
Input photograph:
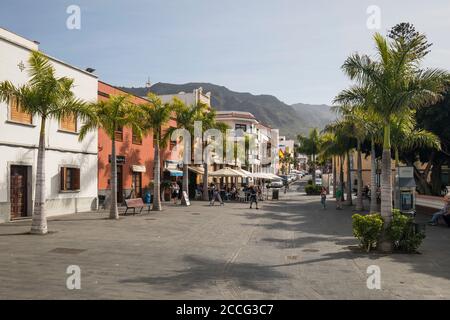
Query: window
x,y
240,126
18,115
70,179
136,139
118,134
68,124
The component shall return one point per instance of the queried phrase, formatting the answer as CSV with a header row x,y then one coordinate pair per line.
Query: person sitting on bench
x,y
444,212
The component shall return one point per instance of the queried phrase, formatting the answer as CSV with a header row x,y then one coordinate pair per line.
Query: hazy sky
x,y
292,49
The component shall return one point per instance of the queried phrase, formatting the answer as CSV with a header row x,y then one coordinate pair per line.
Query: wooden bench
x,y
135,203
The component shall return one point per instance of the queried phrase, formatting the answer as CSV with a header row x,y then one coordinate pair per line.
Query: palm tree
x,y
209,122
397,84
331,147
156,116
111,115
185,117
48,97
310,146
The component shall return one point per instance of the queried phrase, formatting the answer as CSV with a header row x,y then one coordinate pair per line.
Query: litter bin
x,y
275,194
147,198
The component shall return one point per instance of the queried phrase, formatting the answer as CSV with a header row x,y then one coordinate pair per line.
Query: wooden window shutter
x,y
17,115
69,123
63,179
76,179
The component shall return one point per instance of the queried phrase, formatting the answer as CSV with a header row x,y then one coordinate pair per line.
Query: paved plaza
x,y
289,249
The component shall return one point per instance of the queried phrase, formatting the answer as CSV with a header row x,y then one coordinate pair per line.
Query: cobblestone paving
x,y
289,249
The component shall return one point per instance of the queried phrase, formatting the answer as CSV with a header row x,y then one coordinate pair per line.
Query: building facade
x,y
134,156
71,182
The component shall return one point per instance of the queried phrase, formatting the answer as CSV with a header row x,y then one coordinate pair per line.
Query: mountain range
x,y
290,119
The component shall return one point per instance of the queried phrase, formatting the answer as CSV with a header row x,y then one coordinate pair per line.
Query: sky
x,y
292,49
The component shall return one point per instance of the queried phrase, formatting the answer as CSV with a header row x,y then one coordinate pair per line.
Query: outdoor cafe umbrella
x,y
226,172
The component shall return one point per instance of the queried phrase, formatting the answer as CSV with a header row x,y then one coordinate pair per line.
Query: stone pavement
x,y
289,249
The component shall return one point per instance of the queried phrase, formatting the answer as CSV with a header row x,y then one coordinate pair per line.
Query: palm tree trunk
x,y
185,186
373,179
349,181
113,211
334,176
313,169
395,182
157,179
205,182
341,176
39,223
359,199
386,188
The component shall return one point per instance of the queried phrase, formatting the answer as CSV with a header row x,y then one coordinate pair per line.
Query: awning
x,y
246,173
138,168
198,170
261,175
175,173
227,172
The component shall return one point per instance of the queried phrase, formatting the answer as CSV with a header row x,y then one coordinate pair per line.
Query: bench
x,y
135,203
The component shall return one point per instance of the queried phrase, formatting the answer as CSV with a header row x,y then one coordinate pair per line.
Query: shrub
x,y
367,229
310,182
403,234
313,190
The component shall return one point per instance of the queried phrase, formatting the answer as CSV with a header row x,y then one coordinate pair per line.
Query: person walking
x,y
253,197
215,195
175,191
339,199
323,197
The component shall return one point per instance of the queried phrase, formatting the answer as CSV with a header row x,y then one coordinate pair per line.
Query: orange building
x,y
134,155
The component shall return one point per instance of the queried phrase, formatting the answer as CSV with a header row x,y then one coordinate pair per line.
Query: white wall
x,y
18,142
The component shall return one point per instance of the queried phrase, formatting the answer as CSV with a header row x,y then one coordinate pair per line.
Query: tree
x,y
209,122
310,146
398,84
185,117
156,117
48,97
111,115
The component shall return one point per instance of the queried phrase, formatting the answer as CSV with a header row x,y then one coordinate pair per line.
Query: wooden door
x,y
137,184
19,191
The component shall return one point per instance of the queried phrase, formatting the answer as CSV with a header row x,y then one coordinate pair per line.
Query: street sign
x,y
406,172
119,159
186,198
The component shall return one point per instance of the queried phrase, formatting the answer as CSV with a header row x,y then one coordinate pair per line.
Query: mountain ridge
x,y
290,119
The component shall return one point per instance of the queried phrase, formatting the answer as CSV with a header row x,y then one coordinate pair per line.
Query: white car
x,y
276,184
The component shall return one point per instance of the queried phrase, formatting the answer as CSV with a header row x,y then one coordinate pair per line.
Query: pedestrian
x,y
253,197
215,195
175,191
323,197
339,199
443,213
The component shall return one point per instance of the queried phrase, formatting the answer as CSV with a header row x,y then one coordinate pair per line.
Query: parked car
x,y
276,184
286,180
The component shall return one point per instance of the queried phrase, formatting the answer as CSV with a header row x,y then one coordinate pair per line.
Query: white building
x,y
71,166
189,98
259,157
